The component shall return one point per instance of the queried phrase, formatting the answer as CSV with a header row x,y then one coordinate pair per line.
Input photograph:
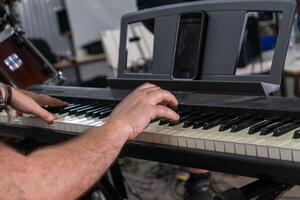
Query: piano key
x,y
286,146
233,141
199,123
96,113
104,113
3,116
244,124
84,110
256,128
285,128
183,116
90,112
52,110
68,108
228,124
215,122
205,138
296,134
267,147
163,122
268,129
277,143
194,138
190,121
73,110
296,153
263,145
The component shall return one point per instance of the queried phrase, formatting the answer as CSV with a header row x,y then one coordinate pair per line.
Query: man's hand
x,y
31,103
145,104
66,171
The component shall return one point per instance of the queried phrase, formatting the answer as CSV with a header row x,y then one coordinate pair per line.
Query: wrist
x,y
6,95
121,128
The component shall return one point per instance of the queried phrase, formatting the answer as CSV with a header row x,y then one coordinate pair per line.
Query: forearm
x,y
65,171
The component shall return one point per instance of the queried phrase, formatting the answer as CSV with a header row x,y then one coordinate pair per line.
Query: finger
x,y
44,100
166,113
50,101
150,89
145,86
159,96
42,113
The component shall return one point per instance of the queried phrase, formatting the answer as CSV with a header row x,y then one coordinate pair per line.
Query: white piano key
x,y
251,150
220,147
200,144
255,141
296,151
147,137
276,143
209,145
240,149
286,154
207,137
141,138
229,147
182,142
262,151
191,143
156,138
274,153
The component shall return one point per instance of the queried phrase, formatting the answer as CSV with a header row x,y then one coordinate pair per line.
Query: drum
x,y
21,64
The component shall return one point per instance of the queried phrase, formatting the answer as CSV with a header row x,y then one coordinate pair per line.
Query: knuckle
x,y
147,84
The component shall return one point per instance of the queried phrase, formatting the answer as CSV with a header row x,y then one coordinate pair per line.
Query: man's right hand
x,y
137,110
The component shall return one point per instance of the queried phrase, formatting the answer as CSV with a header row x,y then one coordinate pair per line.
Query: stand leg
x,y
118,179
109,190
283,87
260,189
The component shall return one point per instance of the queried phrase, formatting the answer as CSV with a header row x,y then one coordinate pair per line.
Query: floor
x,y
155,181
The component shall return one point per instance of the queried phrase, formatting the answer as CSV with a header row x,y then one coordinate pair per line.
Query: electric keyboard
x,y
247,135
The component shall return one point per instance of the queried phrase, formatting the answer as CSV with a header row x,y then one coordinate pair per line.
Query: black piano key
x,y
297,134
52,110
163,122
74,110
256,127
228,124
215,122
200,123
97,113
104,114
68,108
245,124
189,122
84,110
183,116
268,129
89,113
285,128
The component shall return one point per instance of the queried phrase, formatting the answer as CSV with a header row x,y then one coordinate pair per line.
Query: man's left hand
x,y
31,103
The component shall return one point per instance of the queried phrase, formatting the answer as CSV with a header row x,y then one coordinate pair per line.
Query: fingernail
x,y
50,119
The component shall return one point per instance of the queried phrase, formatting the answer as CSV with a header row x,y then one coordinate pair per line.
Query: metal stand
x,y
260,190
